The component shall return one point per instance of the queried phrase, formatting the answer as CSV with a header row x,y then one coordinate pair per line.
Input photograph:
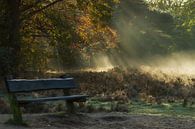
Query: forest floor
x,y
100,111
112,120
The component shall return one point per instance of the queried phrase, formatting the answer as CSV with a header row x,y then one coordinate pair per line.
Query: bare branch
x,y
31,6
43,8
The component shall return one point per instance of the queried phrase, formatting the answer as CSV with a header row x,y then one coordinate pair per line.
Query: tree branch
x,y
43,8
31,6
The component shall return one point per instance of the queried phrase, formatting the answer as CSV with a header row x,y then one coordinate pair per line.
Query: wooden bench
x,y
15,86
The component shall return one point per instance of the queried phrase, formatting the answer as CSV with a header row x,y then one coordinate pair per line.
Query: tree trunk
x,y
13,44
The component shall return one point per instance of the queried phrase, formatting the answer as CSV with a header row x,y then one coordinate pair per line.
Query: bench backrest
x,y
23,85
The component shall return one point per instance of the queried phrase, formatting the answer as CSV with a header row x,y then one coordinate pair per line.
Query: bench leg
x,y
70,107
15,108
69,104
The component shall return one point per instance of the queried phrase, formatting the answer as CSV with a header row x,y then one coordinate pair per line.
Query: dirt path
x,y
100,121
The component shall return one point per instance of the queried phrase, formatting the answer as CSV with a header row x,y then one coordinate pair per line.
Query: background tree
x,y
44,29
13,13
37,35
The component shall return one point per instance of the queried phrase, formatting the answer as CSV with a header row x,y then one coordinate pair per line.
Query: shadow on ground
x,y
100,121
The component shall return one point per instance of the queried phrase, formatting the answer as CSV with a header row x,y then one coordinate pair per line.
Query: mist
x,y
147,41
180,63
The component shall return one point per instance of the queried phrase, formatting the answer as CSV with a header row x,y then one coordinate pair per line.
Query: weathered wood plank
x,y
73,98
23,85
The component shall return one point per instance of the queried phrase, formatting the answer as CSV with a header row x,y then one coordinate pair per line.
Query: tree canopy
x,y
37,35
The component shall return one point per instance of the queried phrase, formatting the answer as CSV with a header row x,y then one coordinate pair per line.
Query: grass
x,y
98,105
165,109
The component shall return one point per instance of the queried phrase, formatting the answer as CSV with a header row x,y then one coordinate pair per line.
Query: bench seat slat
x,y
38,100
23,85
